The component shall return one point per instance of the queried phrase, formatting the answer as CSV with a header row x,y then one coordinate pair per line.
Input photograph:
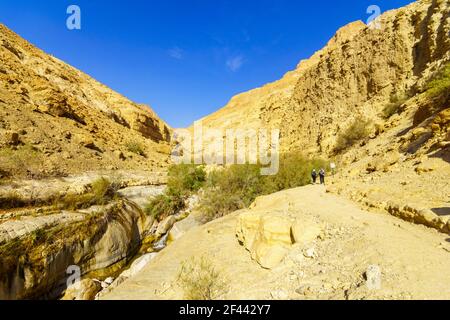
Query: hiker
x,y
322,176
314,176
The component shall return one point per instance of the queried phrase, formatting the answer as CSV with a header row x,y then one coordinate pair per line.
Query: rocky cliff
x,y
56,120
388,89
353,76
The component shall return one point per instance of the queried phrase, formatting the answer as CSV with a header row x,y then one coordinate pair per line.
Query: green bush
x,y
237,186
183,180
231,189
200,280
358,130
394,105
164,205
135,147
295,171
441,83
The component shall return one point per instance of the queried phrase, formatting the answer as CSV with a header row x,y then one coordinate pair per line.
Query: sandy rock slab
x,y
269,236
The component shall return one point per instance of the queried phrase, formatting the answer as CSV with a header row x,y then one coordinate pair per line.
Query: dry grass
x,y
21,162
200,280
102,191
12,200
135,147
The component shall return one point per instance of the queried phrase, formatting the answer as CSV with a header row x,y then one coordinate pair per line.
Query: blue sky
x,y
185,58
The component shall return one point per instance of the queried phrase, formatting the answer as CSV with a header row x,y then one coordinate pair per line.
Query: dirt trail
x,y
414,260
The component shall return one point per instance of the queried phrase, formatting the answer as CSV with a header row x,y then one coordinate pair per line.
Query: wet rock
x,y
165,225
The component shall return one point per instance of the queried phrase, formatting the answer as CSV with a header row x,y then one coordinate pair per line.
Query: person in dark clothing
x,y
314,176
322,176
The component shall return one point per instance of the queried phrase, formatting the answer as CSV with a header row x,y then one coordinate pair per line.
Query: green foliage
x,y
441,83
183,180
135,147
164,205
231,189
200,280
358,130
295,171
396,101
237,186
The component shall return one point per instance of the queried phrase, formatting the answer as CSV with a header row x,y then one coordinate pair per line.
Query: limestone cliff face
x,y
353,76
72,122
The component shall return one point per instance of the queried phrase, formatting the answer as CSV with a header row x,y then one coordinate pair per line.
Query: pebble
x,y
310,253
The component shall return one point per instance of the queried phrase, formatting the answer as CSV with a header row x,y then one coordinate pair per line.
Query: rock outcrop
x,y
36,264
269,236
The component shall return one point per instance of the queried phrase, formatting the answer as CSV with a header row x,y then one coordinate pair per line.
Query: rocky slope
x,y
60,132
56,120
402,164
353,76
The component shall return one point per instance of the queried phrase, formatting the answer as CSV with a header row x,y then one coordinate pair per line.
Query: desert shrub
x,y
231,189
357,131
200,280
183,180
441,83
135,147
295,171
22,161
237,186
394,105
164,205
12,200
102,191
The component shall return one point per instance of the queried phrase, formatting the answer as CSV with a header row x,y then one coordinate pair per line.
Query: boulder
x,y
267,236
84,290
269,256
305,231
165,225
275,229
